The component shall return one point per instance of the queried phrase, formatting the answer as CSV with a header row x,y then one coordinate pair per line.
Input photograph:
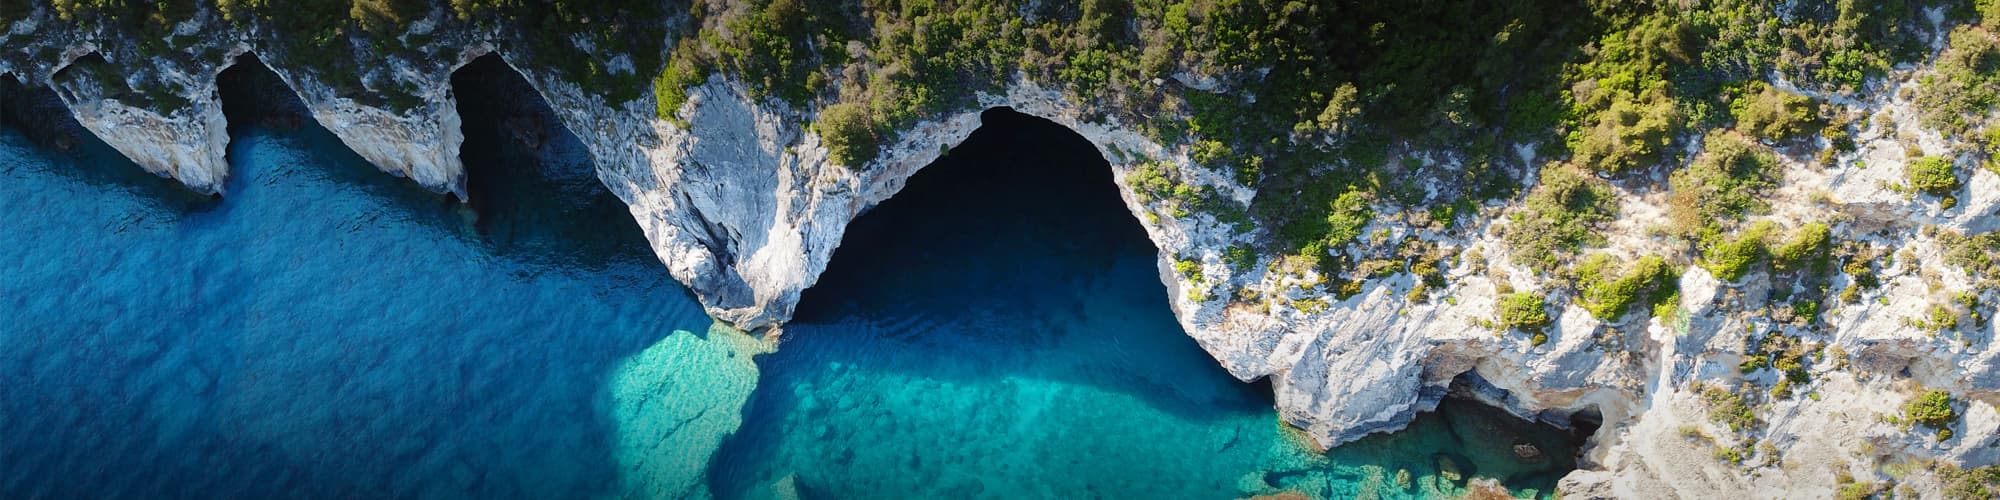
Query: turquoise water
x,y
330,331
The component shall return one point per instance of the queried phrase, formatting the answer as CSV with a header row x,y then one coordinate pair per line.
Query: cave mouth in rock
x,y
1002,318
530,180
1020,191
1477,410
254,96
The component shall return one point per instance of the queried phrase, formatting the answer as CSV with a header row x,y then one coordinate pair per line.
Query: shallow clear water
x,y
330,331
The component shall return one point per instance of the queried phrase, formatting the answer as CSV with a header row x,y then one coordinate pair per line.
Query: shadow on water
x,y
532,181
1015,241
1004,285
40,116
325,331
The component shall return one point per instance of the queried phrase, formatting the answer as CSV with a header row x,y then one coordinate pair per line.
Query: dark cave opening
x,y
532,181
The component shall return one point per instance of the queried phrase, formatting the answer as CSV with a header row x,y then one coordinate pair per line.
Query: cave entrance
x,y
530,180
1023,203
1001,321
254,96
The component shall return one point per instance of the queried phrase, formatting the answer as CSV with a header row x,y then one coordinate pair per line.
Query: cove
x,y
998,329
329,331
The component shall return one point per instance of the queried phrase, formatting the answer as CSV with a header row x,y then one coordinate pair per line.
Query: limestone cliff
x,y
744,206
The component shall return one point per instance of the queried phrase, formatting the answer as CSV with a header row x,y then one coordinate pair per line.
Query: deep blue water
x,y
326,330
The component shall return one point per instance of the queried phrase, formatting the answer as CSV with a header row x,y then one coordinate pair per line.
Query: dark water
x,y
328,330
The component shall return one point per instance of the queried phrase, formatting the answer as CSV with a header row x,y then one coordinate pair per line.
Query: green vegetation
x,y
1657,69
1957,99
1159,181
1725,183
1978,255
1767,113
1935,176
1648,282
670,89
1559,217
340,40
1974,484
1810,249
1787,354
1727,408
1931,409
1730,260
850,136
1523,311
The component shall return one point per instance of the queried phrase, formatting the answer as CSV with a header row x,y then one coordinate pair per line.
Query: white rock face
x,y
185,144
420,143
744,207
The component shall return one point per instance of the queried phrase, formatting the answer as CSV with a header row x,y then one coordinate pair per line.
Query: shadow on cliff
x,y
1013,257
1016,241
39,115
531,181
1009,262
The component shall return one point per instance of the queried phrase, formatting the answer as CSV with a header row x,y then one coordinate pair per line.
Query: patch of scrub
x,y
674,402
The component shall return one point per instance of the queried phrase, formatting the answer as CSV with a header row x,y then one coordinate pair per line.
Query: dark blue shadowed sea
x,y
328,331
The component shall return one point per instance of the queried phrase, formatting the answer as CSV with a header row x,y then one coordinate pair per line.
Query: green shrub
x,y
1931,409
1731,260
1809,249
1768,113
849,134
1649,281
1933,175
1524,311
670,90
1728,181
1560,216
1728,408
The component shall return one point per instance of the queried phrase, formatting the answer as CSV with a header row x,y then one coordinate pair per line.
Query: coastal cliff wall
x,y
741,202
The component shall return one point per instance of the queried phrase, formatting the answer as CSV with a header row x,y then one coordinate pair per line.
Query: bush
x,y
1609,298
849,134
1809,249
1524,311
670,89
1771,114
1560,216
1933,175
1931,409
1731,260
1728,408
1725,183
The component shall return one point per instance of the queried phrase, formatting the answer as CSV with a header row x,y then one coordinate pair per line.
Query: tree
x,y
849,134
